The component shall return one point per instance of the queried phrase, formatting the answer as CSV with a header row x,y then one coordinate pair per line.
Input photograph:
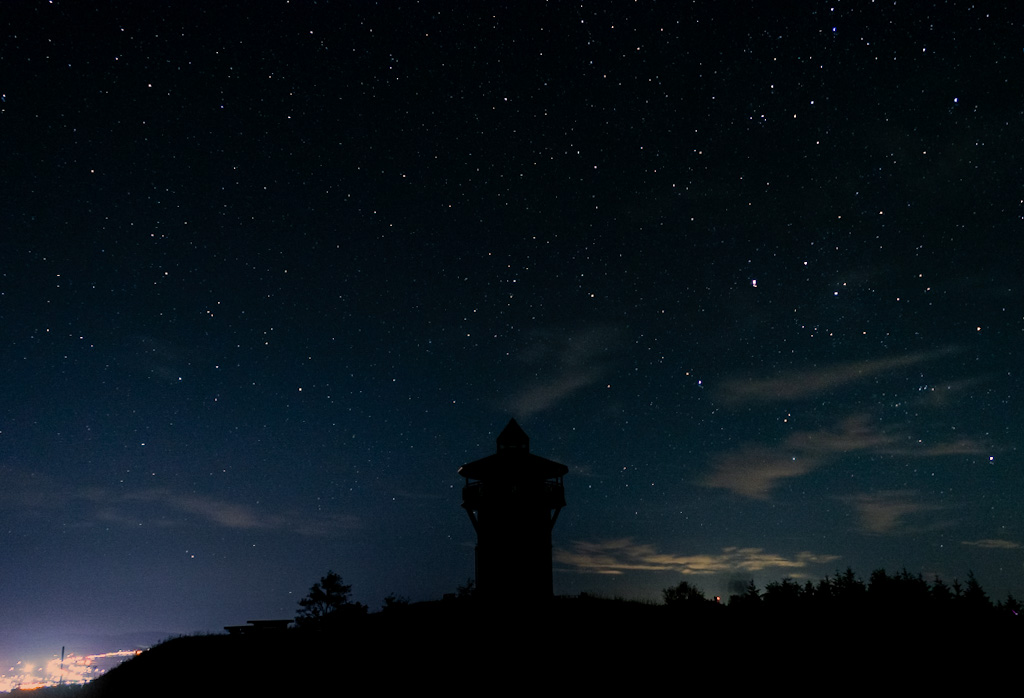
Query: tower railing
x,y
552,493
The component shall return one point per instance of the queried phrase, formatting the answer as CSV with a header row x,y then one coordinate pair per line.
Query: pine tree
x,y
974,596
684,592
940,592
327,603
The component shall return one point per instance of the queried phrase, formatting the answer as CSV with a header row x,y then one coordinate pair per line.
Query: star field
x,y
271,272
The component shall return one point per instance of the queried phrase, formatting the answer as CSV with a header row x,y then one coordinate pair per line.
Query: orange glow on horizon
x,y
75,669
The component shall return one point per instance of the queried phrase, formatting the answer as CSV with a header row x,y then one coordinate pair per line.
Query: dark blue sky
x,y
271,272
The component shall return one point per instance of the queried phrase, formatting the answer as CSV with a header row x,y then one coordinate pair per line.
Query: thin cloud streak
x,y
565,363
754,470
961,447
885,513
993,544
155,508
544,395
800,385
623,555
164,508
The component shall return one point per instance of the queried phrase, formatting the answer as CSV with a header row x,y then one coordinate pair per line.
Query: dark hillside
x,y
574,644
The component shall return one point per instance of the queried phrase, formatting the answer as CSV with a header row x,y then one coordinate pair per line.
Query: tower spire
x,y
513,437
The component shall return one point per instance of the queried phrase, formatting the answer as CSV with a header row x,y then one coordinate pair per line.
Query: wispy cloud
x,y
545,394
854,433
624,555
754,470
960,447
564,363
43,498
994,543
947,392
163,507
799,385
223,513
883,513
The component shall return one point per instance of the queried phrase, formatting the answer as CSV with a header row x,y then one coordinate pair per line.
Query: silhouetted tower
x,y
513,499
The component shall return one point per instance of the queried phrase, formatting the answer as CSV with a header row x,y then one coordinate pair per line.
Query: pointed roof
x,y
513,461
513,436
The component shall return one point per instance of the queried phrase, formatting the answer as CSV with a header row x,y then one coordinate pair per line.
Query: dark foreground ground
x,y
582,644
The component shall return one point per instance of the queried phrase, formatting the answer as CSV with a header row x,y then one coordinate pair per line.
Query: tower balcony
x,y
547,494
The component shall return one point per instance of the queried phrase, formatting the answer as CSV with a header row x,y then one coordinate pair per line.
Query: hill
x,y
573,645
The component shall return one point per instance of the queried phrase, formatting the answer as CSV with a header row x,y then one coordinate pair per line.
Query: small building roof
x,y
513,461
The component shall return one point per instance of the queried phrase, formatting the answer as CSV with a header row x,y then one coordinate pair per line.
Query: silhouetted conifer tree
x,y
848,587
819,597
782,594
752,593
940,592
327,603
974,596
912,590
684,592
749,600
879,586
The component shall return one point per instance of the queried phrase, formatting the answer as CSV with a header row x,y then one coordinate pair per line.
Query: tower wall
x,y
513,499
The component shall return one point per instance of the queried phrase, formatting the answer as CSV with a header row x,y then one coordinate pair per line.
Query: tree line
x,y
902,593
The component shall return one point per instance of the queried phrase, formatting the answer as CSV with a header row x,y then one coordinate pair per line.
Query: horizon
x,y
69,667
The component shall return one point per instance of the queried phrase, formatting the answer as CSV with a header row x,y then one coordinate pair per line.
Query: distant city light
x,y
73,670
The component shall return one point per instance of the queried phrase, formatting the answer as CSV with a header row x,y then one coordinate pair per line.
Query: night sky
x,y
270,272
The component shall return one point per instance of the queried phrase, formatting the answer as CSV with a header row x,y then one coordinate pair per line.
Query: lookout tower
x,y
513,499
